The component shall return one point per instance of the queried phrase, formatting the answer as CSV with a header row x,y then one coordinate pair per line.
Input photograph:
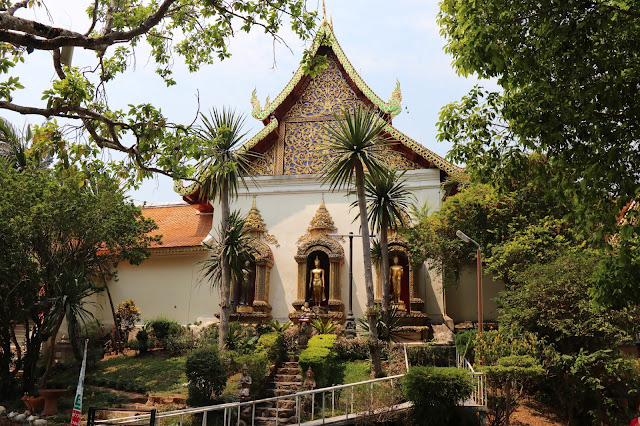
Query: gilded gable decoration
x,y
255,224
318,243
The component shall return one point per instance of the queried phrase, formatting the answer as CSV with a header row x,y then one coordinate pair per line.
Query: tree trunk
x,y
225,310
384,273
116,323
374,344
52,350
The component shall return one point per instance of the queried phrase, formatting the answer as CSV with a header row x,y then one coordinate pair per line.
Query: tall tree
x,y
355,144
56,230
387,204
569,89
223,168
198,32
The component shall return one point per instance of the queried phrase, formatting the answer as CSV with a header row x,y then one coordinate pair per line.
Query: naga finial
x,y
324,13
254,100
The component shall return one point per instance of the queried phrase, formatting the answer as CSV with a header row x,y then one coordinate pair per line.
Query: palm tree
x,y
231,246
14,148
355,145
387,200
223,168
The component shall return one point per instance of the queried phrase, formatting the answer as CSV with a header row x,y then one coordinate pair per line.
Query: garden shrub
x,y
352,349
465,344
162,329
323,340
322,362
206,374
506,381
435,392
429,355
272,344
208,336
128,314
142,339
182,342
321,358
495,344
258,365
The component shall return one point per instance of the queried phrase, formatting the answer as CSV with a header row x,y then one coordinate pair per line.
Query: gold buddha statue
x,y
395,276
317,282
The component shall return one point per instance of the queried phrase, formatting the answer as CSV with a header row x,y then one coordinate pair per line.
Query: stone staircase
x,y
286,380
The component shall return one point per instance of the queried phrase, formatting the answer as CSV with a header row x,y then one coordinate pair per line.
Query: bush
x,y
320,357
128,314
162,329
208,336
142,339
272,344
505,382
323,340
435,392
206,374
495,344
465,344
258,365
352,349
182,342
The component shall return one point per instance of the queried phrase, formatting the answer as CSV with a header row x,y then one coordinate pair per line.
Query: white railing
x,y
337,404
478,379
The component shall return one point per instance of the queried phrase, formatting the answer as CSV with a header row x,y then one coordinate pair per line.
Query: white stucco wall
x,y
167,284
287,205
462,299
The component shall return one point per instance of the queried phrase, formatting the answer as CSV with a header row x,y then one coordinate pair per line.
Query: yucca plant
x,y
355,144
323,327
280,328
222,168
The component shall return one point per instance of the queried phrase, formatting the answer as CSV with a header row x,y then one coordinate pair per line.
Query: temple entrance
x,y
324,265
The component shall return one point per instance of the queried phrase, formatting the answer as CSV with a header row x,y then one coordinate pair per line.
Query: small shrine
x,y
251,295
320,257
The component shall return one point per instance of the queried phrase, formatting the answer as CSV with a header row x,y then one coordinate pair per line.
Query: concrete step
x,y
287,378
288,370
290,364
278,392
294,386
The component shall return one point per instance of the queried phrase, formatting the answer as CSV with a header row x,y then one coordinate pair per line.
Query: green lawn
x,y
158,375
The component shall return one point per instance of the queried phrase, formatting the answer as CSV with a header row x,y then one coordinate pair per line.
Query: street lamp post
x,y
467,239
350,323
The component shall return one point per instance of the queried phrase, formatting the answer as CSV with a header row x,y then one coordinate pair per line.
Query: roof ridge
x,y
392,107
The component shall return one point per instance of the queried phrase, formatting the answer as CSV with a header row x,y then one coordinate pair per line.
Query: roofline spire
x,y
324,13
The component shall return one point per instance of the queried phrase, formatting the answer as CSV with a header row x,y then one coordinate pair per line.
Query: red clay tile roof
x,y
179,225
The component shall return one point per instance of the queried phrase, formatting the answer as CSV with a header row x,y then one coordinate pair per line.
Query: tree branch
x,y
17,6
58,37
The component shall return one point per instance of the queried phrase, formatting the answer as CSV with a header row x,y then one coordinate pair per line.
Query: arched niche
x,y
263,261
330,250
325,265
399,246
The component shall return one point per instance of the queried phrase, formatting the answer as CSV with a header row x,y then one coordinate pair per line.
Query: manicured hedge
x,y
320,357
206,374
323,340
272,344
435,392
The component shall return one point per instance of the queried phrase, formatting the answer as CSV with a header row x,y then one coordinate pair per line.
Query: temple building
x,y
297,222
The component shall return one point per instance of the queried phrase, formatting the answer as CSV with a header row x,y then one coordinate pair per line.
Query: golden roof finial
x,y
324,13
331,21
253,207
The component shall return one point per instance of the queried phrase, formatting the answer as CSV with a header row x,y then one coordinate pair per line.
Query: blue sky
x,y
384,41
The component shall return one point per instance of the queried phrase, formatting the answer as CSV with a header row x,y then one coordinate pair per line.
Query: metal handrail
x,y
478,398
239,405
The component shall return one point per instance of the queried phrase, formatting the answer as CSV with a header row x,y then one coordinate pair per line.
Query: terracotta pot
x,y
51,397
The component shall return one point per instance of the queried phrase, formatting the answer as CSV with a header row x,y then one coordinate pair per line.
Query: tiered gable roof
x,y
290,142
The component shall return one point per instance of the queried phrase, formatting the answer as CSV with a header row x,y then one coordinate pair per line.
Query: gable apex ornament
x,y
321,224
255,224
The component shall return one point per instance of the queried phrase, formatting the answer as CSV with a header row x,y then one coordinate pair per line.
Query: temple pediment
x,y
291,142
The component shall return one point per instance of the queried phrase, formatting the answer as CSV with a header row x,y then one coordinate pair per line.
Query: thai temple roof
x,y
179,224
288,109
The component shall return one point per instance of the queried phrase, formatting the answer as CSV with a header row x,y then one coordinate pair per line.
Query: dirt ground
x,y
534,413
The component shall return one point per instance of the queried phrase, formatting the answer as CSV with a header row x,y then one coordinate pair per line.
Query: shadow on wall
x,y
462,300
